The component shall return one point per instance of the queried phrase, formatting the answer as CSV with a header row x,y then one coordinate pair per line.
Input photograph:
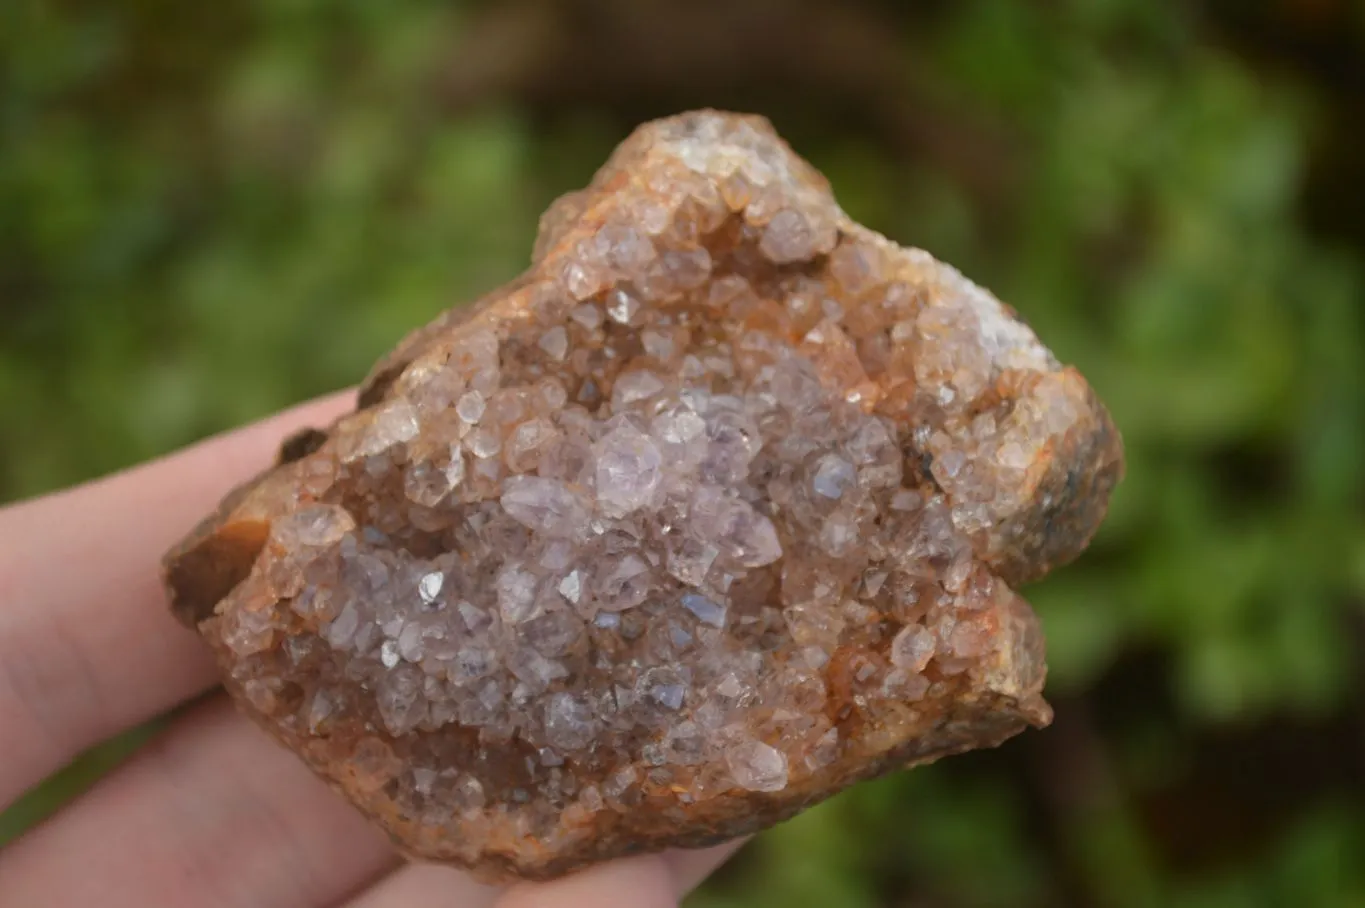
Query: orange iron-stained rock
x,y
713,512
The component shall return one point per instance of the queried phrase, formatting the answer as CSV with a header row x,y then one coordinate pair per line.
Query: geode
x,y
714,511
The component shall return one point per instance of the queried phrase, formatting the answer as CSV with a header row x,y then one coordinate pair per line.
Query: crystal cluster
x,y
713,512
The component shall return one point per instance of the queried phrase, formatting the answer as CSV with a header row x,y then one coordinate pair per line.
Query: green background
x,y
209,211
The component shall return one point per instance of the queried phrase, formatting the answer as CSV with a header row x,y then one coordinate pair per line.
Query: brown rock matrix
x,y
713,512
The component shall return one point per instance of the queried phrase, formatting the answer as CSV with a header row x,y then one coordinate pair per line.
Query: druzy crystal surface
x,y
716,510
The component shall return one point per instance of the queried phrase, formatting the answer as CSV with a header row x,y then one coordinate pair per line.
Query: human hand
x,y
211,813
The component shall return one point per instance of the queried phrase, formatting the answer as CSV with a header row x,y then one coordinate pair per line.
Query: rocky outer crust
x,y
712,513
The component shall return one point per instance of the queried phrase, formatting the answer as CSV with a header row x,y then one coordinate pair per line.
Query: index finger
x,y
87,644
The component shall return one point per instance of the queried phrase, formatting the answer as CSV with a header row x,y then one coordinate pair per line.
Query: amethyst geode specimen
x,y
716,510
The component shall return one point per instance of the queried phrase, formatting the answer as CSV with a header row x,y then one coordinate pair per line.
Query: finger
x,y
691,867
639,882
210,815
87,646
426,886
648,881
665,878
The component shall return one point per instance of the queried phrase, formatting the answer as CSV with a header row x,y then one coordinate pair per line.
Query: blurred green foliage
x,y
207,213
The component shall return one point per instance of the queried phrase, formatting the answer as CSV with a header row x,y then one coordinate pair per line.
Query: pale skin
x,y
212,813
